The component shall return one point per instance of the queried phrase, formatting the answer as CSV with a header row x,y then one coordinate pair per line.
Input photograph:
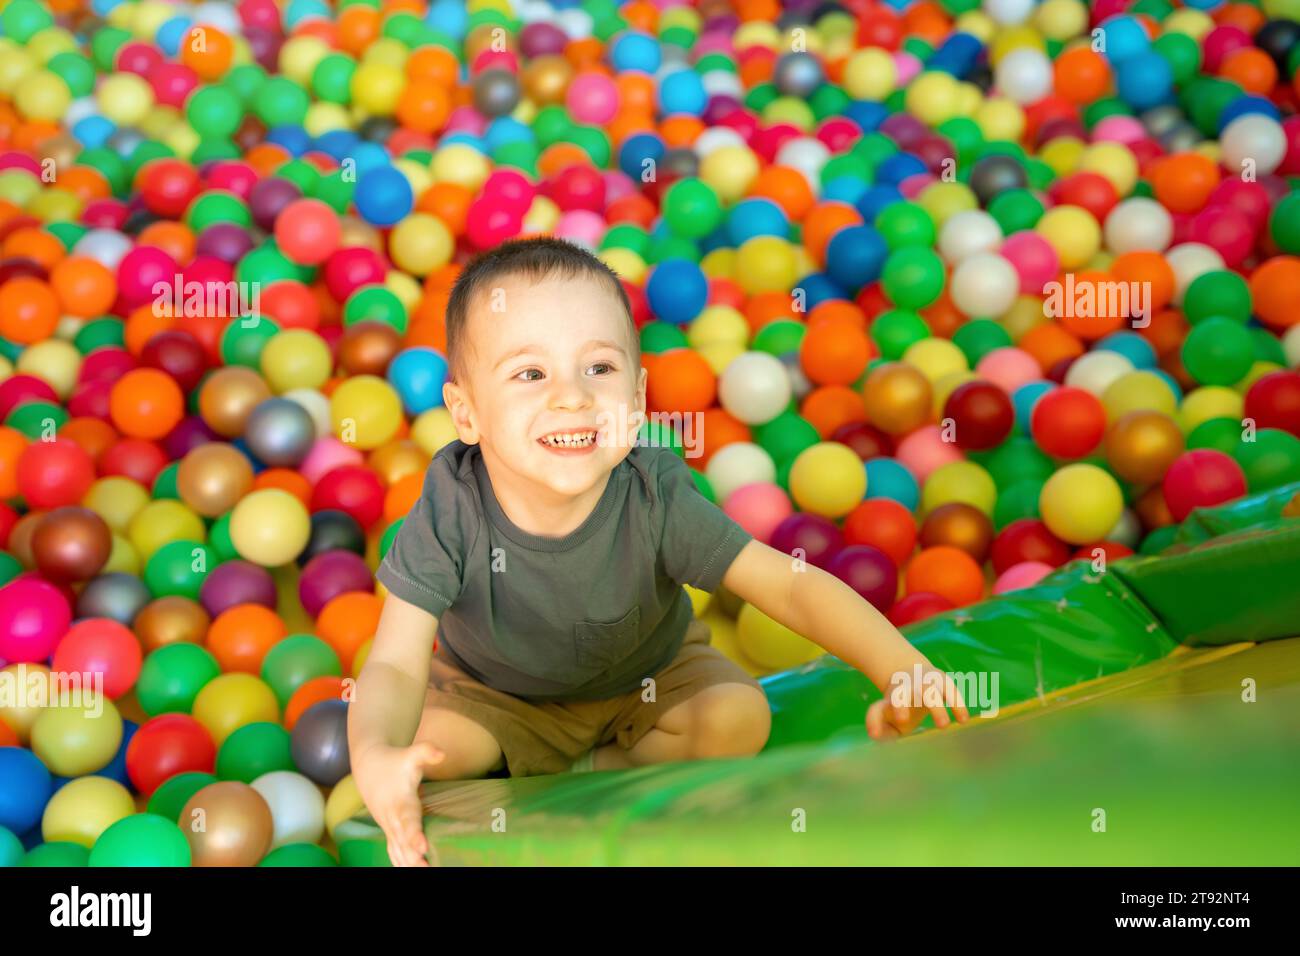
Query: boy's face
x,y
549,357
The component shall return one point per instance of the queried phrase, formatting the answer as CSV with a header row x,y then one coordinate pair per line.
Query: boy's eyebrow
x,y
541,350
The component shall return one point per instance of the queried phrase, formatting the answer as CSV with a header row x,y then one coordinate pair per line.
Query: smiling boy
x,y
547,554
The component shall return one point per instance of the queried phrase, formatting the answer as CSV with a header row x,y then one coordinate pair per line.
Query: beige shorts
x,y
538,737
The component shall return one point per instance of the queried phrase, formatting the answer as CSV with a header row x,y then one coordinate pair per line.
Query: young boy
x,y
547,553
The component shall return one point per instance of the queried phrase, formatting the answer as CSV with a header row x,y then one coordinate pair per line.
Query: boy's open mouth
x,y
569,441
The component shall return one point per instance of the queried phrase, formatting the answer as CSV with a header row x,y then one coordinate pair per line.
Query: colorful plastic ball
x,y
755,388
811,537
297,807
981,413
253,750
280,432
25,789
913,277
365,411
383,196
307,231
1141,445
320,742
54,473
231,701
1068,422
1023,575
1201,478
917,607
1081,503
771,644
828,479
71,544
1218,351
418,375
1253,143
142,839
421,243
104,647
855,256
83,809
212,478
77,733
948,572
34,616
172,677
237,827
1273,401
165,746
677,290
870,572
1027,539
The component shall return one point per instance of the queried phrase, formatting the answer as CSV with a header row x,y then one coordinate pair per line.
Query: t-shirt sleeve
x,y
699,539
425,564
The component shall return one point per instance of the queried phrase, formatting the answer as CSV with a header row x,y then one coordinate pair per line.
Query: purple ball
x,y
269,197
816,537
719,108
904,130
189,434
330,574
224,241
868,571
265,47
237,582
542,39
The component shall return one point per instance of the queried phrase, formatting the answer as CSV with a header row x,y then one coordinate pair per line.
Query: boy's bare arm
x,y
391,686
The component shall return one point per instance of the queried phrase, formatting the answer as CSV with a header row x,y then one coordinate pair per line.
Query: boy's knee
x,y
469,750
729,720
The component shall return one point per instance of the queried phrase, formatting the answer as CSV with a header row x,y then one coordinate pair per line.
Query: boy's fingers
x,y
878,728
958,702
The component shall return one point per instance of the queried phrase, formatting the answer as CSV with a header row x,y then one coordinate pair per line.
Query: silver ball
x,y
117,595
496,92
1181,138
1162,119
280,432
799,384
798,74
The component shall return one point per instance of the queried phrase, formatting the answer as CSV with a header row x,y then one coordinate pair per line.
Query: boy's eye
x,y
527,370
605,365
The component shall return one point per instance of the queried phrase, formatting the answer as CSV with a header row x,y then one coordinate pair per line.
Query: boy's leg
x,y
471,750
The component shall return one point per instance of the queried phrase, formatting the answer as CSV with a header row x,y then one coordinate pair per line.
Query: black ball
x,y
1278,38
333,531
996,174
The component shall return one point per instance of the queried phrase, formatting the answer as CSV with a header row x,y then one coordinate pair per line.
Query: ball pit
x,y
956,296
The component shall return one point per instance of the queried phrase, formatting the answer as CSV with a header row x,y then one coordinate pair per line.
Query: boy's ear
x,y
462,412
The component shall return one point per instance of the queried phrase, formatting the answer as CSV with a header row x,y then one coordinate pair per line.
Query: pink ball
x,y
1023,575
491,221
839,133
138,272
347,270
100,645
1008,368
325,455
1033,258
1249,198
592,98
581,225
34,615
232,176
1226,230
617,185
1201,478
906,66
924,450
511,189
1118,129
759,508
913,186
172,83
466,119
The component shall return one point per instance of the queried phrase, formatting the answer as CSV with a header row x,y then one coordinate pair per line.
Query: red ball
x,y
308,231
134,458
1111,551
168,186
577,187
917,607
866,440
165,746
100,645
1274,402
982,414
1068,422
491,222
354,489
1027,539
1090,191
54,473
884,524
1201,478
20,388
179,354
349,269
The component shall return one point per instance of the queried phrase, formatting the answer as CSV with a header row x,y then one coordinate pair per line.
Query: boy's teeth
x,y
570,441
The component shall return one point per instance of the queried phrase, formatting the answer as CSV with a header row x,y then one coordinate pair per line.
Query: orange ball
x,y
1275,291
146,403
29,310
1100,321
682,381
347,622
835,352
402,495
830,406
207,51
1150,269
1251,68
947,571
718,428
12,444
84,286
424,107
241,635
823,222
786,187
30,242
1183,182
1049,343
328,687
1081,75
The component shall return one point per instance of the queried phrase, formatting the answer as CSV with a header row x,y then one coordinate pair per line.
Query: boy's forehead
x,y
512,307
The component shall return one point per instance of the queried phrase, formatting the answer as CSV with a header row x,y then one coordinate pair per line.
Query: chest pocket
x,y
600,645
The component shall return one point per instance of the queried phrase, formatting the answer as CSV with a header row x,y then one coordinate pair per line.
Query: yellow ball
x,y
296,358
1192,23
1062,154
162,522
787,109
718,323
46,44
944,200
230,701
932,97
125,98
719,264
269,527
699,600
82,809
433,429
1115,162
770,643
1081,503
122,558
946,384
959,481
417,175
299,57
828,479
77,733
55,205
935,358
756,33
462,164
31,683
1061,19
421,243
969,99
729,171
1209,401
343,803
325,118
541,217
377,86
626,263
766,264
718,355
117,500
723,635
978,24
1000,118
19,187
15,64
1012,38
365,411
1257,371
55,361
870,74
1138,391
407,289
1072,232
41,95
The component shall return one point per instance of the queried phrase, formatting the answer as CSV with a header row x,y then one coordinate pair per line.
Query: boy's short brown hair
x,y
536,258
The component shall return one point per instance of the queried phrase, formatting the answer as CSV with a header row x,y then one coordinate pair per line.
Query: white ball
x,y
1095,371
79,109
297,808
1127,530
1024,75
1009,12
1291,346
968,233
716,137
754,387
807,155
575,22
722,83
219,15
1190,260
533,11
105,246
740,463
1252,142
317,405
1138,225
985,285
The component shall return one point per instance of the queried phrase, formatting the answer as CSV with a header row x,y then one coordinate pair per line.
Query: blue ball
x,y
677,290
1124,37
506,129
370,156
338,144
11,848
418,375
383,196
889,478
634,50
1132,346
300,10
450,17
638,153
1244,105
876,198
717,239
171,33
94,131
818,287
845,189
295,139
682,91
898,167
1205,5
116,768
868,114
855,256
1023,399
956,55
756,217
1144,80
25,789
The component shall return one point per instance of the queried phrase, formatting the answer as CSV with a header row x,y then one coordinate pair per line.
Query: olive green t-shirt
x,y
586,616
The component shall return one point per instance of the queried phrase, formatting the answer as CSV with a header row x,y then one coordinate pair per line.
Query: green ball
x,y
703,485
1158,540
913,277
779,337
98,333
1016,210
57,854
1284,223
105,44
786,436
68,233
267,264
978,337
298,855
281,102
295,660
171,796
331,80
36,419
1020,500
905,224
691,208
390,533
23,19
214,111
10,567
142,839
897,330
172,676
1218,351
164,485
367,853
1268,348
552,125
179,568
673,247
110,165
1221,293
253,750
1217,434
336,191
1182,53
243,341
215,207
1270,461
375,303
1018,459
11,848
521,154
627,235
219,539
75,70
245,81
657,434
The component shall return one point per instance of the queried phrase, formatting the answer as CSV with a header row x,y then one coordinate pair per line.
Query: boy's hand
x,y
887,720
388,778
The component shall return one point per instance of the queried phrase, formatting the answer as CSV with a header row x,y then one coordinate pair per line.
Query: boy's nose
x,y
569,392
